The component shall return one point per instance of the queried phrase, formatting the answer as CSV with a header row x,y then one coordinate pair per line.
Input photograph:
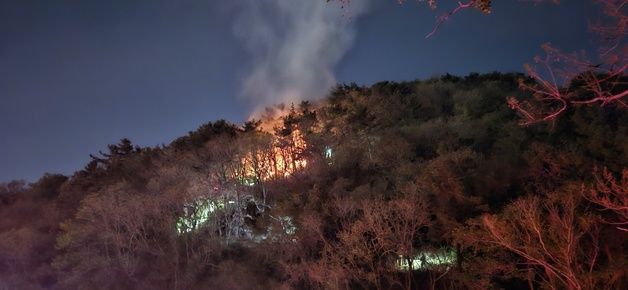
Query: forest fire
x,y
346,172
276,149
281,158
259,156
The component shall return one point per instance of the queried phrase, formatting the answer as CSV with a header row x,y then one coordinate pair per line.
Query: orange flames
x,y
283,158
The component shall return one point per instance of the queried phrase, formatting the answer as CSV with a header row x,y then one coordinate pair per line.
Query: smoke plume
x,y
295,45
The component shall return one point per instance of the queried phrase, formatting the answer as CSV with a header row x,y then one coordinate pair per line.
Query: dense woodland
x,y
429,184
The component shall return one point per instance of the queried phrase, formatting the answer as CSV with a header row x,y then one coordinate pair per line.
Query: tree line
x,y
428,184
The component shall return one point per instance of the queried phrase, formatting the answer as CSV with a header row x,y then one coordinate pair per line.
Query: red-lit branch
x,y
612,196
562,79
443,18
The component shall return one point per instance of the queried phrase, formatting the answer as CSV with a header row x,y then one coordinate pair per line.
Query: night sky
x,y
78,75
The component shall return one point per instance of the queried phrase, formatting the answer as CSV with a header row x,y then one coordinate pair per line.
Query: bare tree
x,y
561,80
374,234
558,240
612,196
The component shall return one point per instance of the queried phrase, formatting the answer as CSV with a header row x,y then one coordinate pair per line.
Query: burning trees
x,y
237,171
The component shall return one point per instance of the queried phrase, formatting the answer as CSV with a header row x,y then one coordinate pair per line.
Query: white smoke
x,y
295,45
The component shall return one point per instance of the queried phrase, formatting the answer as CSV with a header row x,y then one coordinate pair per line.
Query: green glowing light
x,y
329,153
288,225
425,260
197,214
248,181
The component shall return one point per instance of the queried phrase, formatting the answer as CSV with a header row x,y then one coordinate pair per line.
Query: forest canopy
x,y
398,185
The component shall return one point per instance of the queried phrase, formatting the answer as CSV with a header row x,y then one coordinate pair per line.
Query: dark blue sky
x,y
77,75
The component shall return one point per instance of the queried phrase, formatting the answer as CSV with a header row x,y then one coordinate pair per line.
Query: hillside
x,y
429,183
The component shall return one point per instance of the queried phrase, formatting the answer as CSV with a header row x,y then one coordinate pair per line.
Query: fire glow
x,y
278,161
266,156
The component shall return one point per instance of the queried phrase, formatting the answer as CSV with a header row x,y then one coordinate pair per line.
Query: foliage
x,y
379,174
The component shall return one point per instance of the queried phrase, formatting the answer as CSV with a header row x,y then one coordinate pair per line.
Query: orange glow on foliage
x,y
282,159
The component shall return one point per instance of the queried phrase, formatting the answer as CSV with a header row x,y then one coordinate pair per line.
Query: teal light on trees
x,y
197,214
328,153
428,260
288,225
